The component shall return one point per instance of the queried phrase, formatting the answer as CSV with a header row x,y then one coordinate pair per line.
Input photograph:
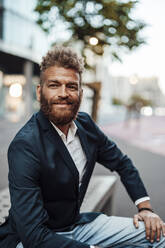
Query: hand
x,y
99,246
153,224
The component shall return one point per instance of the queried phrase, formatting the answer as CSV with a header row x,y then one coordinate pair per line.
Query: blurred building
x,y
121,88
22,43
147,87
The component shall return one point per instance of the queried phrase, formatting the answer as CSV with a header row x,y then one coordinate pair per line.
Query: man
x,y
51,160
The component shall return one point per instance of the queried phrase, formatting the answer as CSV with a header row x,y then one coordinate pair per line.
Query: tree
x,y
97,23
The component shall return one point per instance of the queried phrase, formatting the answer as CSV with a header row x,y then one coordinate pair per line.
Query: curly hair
x,y
63,57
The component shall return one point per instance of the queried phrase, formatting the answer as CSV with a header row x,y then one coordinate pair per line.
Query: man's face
x,y
60,95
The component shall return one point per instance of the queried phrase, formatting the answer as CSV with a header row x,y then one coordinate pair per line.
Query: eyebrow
x,y
57,81
53,80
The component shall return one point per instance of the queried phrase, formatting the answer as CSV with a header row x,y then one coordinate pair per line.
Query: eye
x,y
53,85
73,86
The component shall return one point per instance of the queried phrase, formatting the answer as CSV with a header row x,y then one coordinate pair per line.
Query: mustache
x,y
66,101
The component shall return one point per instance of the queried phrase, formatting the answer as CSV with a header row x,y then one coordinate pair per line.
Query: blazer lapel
x,y
89,149
56,140
83,140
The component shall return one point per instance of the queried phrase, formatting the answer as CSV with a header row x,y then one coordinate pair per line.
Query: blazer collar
x,y
54,137
46,125
56,140
83,139
43,121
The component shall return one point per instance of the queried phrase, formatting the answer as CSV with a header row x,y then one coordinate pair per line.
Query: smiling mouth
x,y
62,103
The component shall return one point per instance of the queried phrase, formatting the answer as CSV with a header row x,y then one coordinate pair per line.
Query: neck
x,y
64,128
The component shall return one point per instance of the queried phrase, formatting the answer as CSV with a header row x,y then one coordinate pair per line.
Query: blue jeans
x,y
111,231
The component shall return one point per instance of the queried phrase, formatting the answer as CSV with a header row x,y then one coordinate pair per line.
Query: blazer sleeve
x,y
27,208
109,155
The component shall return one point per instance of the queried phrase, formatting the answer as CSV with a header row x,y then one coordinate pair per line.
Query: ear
x,y
81,93
38,92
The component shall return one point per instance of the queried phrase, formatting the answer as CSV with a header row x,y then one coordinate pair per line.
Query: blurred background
x,y
122,43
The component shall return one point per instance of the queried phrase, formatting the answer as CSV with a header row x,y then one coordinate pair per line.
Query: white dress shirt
x,y
72,142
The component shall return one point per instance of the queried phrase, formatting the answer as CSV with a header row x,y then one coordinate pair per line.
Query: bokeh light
x,y
15,90
93,41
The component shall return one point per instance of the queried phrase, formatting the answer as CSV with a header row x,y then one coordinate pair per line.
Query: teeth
x,y
62,103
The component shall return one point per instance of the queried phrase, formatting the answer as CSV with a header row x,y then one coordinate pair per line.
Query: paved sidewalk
x,y
7,132
152,171
144,143
147,133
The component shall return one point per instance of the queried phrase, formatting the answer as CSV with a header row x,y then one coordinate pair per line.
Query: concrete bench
x,y
4,204
100,194
99,197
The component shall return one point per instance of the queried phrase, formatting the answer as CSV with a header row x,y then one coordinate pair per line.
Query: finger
x,y
163,228
136,221
153,228
147,228
158,230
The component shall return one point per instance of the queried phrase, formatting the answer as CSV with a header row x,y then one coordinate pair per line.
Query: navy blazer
x,y
44,182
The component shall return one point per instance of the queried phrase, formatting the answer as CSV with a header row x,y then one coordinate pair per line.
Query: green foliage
x,y
135,101
109,21
136,98
117,101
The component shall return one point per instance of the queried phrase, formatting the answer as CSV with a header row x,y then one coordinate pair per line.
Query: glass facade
x,y
18,27
22,7
1,19
13,97
18,30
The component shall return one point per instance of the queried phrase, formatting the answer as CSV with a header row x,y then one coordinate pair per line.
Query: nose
x,y
63,91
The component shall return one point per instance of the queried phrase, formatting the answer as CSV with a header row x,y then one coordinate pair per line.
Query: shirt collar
x,y
71,133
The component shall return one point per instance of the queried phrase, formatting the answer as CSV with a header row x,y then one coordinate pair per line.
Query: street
x,y
150,164
152,170
144,142
7,132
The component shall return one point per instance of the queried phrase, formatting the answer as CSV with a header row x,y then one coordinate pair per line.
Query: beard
x,y
57,116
